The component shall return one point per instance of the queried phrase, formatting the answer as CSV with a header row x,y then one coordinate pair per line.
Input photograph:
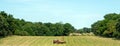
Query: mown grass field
x,y
47,41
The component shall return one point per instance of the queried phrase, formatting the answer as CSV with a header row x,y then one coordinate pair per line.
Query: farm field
x,y
48,41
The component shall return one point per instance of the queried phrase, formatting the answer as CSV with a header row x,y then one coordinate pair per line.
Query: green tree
x,y
68,28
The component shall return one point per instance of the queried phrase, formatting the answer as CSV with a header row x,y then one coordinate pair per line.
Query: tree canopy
x,y
108,27
12,26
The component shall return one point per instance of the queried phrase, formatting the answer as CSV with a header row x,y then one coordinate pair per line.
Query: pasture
x,y
48,41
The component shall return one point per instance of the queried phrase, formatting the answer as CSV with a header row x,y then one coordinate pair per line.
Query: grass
x,y
47,41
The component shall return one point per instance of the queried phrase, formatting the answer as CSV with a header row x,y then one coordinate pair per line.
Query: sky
x,y
79,13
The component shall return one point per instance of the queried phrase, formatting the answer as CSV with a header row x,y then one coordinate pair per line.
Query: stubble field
x,y
48,41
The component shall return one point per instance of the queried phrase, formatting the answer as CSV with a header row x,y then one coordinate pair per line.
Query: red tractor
x,y
59,41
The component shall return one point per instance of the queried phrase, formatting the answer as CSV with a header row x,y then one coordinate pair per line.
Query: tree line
x,y
83,30
12,26
108,27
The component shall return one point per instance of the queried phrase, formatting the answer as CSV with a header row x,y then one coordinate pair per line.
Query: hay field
x,y
48,41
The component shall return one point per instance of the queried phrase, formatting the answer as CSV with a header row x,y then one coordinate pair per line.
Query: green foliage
x,y
22,33
12,26
5,28
109,27
68,28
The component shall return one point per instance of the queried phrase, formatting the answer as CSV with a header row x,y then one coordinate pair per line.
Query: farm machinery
x,y
59,41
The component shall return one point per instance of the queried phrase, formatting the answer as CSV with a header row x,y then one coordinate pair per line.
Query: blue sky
x,y
79,13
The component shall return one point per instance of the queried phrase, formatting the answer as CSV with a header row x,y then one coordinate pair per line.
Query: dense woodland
x,y
12,26
108,27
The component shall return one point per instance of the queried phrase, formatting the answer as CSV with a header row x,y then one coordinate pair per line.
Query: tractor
x,y
59,41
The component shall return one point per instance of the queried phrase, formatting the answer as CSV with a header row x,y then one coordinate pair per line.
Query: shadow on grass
x,y
110,37
116,38
1,37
